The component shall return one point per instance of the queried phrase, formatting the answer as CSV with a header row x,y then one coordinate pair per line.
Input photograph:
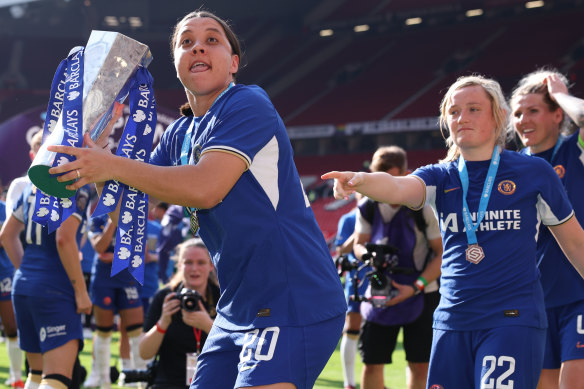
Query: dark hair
x,y
185,109
387,157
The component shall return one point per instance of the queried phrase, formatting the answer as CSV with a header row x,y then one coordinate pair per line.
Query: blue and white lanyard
x,y
187,142
485,196
559,142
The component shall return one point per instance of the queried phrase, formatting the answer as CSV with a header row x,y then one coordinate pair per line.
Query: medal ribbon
x,y
471,228
184,155
136,143
559,142
67,99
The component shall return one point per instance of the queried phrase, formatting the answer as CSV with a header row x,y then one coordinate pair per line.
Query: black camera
x,y
147,375
345,263
189,299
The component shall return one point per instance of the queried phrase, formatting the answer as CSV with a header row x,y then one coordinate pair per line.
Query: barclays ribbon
x,y
136,143
66,98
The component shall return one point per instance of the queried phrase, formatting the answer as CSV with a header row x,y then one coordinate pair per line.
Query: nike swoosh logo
x,y
247,367
451,189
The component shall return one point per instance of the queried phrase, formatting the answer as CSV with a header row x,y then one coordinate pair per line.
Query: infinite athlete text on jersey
x,y
496,220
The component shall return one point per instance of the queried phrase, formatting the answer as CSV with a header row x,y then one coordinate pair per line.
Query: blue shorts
x,y
264,356
45,324
500,357
353,306
5,287
565,335
115,299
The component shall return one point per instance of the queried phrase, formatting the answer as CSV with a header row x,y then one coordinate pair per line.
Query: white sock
x,y
126,364
15,356
137,362
348,352
31,384
101,351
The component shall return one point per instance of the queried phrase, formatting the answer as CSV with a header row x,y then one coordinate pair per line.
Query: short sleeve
x,y
243,125
553,204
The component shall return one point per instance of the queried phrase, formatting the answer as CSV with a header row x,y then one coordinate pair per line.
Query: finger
x,y
70,150
331,175
71,175
87,141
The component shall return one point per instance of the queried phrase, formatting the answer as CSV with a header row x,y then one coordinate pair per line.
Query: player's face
x,y
203,57
196,267
537,126
470,118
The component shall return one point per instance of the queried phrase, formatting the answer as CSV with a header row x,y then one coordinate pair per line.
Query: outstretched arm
x,y
383,187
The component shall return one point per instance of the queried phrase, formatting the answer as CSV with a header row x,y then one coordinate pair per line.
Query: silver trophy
x,y
110,61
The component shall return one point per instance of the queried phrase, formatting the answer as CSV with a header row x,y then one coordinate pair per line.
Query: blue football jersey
x,y
272,261
41,272
561,283
502,289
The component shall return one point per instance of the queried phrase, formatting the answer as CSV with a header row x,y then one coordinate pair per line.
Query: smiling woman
x,y
229,160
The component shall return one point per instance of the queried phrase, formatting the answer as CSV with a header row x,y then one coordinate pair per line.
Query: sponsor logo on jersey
x,y
266,312
511,312
451,189
560,171
494,220
436,386
506,187
579,345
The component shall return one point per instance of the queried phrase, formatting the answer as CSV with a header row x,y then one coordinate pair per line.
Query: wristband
x,y
160,329
420,278
581,141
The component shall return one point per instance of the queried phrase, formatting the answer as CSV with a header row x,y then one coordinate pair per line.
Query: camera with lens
x,y
147,375
384,260
189,299
346,263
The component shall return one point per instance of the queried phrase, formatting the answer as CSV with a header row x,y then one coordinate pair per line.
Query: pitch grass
x,y
331,377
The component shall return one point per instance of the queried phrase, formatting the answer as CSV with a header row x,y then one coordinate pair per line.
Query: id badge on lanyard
x,y
192,359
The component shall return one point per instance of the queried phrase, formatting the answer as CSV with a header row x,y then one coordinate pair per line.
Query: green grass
x,y
331,377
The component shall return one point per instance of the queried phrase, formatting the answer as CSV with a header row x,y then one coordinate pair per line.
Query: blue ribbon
x,y
485,196
66,99
559,142
136,143
186,148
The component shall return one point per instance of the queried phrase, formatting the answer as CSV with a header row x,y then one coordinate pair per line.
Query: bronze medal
x,y
475,253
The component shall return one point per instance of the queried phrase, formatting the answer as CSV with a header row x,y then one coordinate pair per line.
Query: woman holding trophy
x,y
229,160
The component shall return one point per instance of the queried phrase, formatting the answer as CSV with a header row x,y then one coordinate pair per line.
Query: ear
x,y
558,116
234,64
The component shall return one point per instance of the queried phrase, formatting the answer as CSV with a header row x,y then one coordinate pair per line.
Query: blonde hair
x,y
499,107
178,257
533,83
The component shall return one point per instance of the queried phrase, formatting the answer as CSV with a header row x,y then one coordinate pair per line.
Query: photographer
x,y
412,244
177,327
